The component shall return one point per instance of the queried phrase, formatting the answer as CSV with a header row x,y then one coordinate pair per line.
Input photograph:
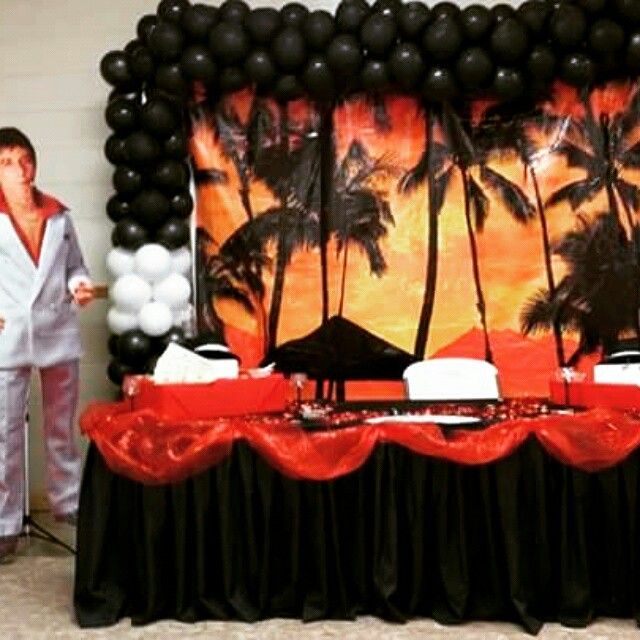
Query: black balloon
x,y
198,20
568,26
606,36
176,145
474,68
132,45
541,63
350,15
534,15
142,63
633,53
344,56
198,64
146,26
442,38
166,41
134,348
628,9
229,42
293,14
175,335
129,234
172,10
126,93
406,65
232,79
288,88
141,148
118,209
115,149
502,12
158,117
151,208
476,21
260,68
289,49
116,371
170,78
378,33
577,69
439,85
262,24
181,204
126,180
173,234
114,68
122,115
319,28
412,18
508,84
374,76
509,40
445,10
318,79
112,345
234,11
387,7
170,176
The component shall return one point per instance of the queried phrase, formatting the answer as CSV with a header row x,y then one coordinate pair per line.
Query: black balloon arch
x,y
441,54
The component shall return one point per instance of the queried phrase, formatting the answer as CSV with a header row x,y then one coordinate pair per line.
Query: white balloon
x,y
153,262
120,262
181,261
121,321
174,290
155,318
130,292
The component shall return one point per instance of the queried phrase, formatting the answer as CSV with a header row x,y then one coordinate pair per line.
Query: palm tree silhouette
x,y
431,169
235,272
598,296
505,131
292,173
603,147
359,212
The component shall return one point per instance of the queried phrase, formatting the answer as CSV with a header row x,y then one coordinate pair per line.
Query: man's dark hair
x,y
12,137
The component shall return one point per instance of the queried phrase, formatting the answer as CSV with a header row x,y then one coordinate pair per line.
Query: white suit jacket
x,y
41,325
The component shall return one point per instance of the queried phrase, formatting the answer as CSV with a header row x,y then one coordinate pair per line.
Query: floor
x,y
36,592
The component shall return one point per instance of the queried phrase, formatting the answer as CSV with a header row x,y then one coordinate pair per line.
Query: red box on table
x,y
223,397
592,394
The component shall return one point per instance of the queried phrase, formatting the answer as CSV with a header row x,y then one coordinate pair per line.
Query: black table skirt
x,y
524,539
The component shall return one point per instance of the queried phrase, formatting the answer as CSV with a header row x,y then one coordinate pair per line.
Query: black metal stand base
x,y
31,529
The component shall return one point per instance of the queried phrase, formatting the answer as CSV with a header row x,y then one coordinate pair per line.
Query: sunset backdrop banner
x,y
507,235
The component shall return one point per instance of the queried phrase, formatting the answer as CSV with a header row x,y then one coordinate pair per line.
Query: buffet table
x,y
533,518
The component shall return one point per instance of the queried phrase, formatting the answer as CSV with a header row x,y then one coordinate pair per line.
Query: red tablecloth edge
x,y
149,449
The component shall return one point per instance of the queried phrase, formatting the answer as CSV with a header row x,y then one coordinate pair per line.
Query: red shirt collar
x,y
49,206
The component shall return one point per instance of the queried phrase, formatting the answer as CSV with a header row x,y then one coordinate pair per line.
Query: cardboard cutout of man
x,y
42,281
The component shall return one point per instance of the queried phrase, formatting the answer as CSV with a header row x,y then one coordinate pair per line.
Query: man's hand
x,y
83,294
1,323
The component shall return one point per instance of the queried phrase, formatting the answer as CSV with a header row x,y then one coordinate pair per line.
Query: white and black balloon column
x,y
441,54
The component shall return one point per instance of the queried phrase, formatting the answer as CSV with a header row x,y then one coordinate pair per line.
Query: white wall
x,y
50,88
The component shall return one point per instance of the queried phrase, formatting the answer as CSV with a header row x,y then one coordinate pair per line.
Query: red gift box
x,y
592,394
224,397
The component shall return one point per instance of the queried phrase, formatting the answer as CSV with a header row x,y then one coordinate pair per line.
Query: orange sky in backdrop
x,y
511,259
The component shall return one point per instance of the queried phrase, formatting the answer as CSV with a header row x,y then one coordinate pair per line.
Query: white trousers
x,y
63,463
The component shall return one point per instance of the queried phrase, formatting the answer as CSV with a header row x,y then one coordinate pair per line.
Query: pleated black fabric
x,y
524,539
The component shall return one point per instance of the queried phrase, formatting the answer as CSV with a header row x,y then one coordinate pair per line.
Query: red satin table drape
x,y
153,449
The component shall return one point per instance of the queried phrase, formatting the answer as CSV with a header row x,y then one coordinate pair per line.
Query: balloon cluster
x,y
440,51
151,296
